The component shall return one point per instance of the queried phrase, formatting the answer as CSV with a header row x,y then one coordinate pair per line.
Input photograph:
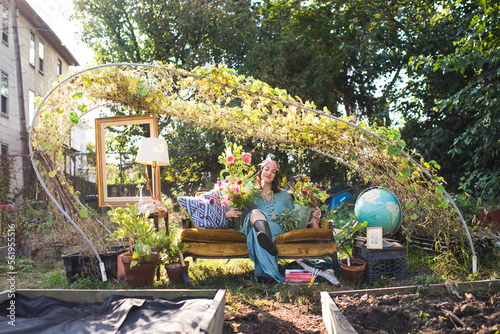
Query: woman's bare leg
x,y
256,215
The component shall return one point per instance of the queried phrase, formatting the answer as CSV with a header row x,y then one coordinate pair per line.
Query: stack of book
x,y
298,276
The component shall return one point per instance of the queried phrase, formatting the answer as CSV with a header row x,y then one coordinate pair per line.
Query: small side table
x,y
156,218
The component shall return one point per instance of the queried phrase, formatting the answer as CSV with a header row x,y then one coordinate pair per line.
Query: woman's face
x,y
268,174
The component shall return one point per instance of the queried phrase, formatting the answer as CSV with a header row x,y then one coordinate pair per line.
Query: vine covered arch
x,y
216,97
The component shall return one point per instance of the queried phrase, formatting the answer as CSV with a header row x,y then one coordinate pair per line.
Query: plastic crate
x,y
78,265
389,262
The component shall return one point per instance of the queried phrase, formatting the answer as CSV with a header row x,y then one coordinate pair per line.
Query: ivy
x,y
218,98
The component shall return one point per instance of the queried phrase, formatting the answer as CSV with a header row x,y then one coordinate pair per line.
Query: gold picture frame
x,y
104,197
374,238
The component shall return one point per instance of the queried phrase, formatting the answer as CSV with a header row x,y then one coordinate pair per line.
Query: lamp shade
x,y
153,150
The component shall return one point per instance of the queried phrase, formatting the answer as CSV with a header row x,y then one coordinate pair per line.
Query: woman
x,y
260,224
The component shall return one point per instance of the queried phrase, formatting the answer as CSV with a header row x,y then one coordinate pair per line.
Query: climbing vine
x,y
216,97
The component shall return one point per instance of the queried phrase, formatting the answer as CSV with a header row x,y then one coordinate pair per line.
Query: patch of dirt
x,y
392,314
453,313
274,318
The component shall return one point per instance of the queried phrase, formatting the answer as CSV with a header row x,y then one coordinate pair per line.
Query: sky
x,y
56,14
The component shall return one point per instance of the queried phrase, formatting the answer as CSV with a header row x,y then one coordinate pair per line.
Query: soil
x,y
393,314
274,318
413,313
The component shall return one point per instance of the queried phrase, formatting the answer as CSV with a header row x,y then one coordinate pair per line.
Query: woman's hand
x,y
234,212
316,213
315,216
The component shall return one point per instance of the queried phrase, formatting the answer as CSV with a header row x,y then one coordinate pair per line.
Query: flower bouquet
x,y
236,179
306,196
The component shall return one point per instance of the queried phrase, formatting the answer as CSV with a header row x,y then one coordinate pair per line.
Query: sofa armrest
x,y
187,223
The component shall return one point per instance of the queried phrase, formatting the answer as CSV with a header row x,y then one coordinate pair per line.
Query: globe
x,y
379,208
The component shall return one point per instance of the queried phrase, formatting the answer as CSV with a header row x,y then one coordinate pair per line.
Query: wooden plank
x,y
478,286
213,319
335,322
94,296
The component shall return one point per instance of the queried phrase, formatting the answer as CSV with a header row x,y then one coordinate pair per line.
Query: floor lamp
x,y
154,152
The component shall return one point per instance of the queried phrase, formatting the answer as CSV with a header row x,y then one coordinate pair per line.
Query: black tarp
x,y
117,314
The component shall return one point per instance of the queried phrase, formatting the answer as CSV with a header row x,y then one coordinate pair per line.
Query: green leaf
x,y
406,172
86,81
46,146
52,173
83,213
410,205
83,108
74,118
394,150
77,96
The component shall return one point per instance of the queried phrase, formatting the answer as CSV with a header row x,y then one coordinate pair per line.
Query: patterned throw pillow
x,y
205,210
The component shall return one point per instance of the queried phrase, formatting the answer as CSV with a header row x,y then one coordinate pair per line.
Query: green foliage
x,y
5,178
175,245
288,220
142,236
346,236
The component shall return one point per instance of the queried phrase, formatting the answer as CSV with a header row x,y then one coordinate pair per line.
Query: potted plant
x,y
145,244
175,266
352,268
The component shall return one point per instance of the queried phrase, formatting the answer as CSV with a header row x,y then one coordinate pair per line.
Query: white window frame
x,y
41,55
59,67
4,149
32,55
4,93
5,24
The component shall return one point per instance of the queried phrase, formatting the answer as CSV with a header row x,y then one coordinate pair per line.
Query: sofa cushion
x,y
305,235
217,250
205,210
305,250
212,236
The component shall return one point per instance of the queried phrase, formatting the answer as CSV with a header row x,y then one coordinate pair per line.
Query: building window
x,y
32,50
5,149
4,91
59,67
31,106
41,55
5,24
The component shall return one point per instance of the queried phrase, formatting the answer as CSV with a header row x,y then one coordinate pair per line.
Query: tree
x,y
188,33
457,85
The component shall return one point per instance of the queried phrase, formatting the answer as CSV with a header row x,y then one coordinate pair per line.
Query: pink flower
x,y
229,197
247,158
236,190
224,203
304,191
230,160
310,192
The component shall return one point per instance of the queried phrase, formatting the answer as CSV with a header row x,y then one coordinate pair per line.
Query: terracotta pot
x,y
354,271
175,271
142,274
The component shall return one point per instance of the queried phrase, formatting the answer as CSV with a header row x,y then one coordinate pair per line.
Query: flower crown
x,y
270,163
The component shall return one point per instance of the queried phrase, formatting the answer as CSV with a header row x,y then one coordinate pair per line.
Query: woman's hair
x,y
275,185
